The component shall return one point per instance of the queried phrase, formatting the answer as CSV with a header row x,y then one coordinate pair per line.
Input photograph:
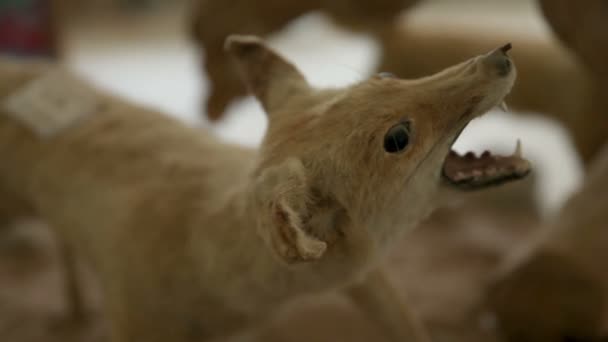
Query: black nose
x,y
500,61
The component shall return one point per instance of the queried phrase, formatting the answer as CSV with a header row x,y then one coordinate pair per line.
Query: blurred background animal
x,y
214,20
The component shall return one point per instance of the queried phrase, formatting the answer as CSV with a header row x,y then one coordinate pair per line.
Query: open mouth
x,y
471,172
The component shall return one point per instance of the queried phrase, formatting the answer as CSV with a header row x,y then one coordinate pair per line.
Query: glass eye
x,y
397,138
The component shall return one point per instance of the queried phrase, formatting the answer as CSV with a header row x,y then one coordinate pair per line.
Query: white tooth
x,y
503,106
518,152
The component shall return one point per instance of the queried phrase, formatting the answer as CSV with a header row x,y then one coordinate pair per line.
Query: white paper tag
x,y
51,103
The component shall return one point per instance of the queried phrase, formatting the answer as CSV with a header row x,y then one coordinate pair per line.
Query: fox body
x,y
195,239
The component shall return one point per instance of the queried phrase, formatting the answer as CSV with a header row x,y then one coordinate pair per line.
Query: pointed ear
x,y
269,76
284,201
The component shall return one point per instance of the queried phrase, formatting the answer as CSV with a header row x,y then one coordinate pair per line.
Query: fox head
x,y
365,162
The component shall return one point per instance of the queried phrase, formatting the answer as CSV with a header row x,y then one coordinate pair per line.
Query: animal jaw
x,y
470,172
467,171
377,152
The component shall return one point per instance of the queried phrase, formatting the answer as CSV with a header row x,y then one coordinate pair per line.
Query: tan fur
x,y
213,20
195,239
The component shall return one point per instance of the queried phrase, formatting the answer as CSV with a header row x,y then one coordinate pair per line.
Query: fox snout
x,y
482,83
499,61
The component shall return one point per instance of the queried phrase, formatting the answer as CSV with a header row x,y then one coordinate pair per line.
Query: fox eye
x,y
397,138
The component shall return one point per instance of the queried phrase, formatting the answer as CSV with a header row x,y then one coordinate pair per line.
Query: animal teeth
x,y
503,106
518,149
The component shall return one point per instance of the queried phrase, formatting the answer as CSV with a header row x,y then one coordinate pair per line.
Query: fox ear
x,y
284,200
269,76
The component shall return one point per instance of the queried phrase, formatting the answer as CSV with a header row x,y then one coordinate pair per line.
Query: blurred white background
x,y
148,58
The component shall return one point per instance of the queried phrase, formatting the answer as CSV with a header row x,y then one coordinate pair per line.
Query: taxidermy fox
x,y
195,239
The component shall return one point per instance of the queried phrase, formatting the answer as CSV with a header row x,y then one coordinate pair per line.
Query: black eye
x,y
397,138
